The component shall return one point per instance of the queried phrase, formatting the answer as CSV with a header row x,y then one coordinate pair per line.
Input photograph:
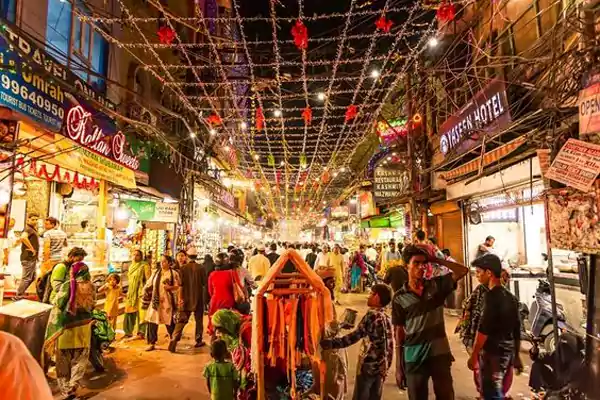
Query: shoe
x,y
150,347
173,346
199,344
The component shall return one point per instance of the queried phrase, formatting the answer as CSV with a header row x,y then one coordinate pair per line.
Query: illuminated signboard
x,y
390,130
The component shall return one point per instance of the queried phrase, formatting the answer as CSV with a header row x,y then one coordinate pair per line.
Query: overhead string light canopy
x,y
294,89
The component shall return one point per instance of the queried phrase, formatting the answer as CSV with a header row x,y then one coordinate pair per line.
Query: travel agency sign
x,y
487,112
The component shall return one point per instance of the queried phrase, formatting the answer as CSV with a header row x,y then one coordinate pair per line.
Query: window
x,y
8,10
88,50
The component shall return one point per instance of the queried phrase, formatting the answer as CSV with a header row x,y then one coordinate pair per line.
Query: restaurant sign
x,y
390,183
487,112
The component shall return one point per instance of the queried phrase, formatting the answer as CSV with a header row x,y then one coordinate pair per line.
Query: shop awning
x,y
393,219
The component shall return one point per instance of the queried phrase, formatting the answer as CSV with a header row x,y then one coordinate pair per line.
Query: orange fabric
x,y
21,377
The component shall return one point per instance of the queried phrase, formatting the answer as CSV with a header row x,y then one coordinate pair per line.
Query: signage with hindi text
x,y
577,164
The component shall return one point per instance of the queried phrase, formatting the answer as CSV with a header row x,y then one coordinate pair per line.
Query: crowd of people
x,y
415,278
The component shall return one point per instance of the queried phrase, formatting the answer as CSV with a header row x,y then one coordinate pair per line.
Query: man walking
x,y
418,319
273,255
311,258
55,241
323,259
30,248
259,264
337,263
498,339
191,300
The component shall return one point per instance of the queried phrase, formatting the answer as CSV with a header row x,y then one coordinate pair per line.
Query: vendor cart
x,y
27,320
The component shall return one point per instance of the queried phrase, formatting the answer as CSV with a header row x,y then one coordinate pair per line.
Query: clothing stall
x,y
291,313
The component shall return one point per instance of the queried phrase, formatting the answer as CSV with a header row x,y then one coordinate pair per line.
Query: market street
x,y
134,374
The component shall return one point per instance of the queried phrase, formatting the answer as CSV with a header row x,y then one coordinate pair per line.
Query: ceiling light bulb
x,y
277,113
375,74
243,125
394,154
321,96
433,42
213,132
343,169
389,158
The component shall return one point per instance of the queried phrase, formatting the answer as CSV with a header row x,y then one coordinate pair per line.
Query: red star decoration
x,y
260,119
307,115
351,112
300,34
384,24
214,119
446,12
166,35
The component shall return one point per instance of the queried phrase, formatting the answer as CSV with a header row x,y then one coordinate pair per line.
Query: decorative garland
x,y
39,170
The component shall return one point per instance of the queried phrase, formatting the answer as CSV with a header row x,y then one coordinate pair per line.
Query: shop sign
x,y
59,150
390,183
390,130
589,110
153,211
487,112
505,215
577,164
36,95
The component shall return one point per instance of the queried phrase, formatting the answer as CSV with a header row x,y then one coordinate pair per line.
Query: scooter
x,y
562,380
537,322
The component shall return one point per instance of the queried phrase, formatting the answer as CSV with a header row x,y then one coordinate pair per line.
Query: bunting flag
x,y
277,177
271,160
300,34
303,162
249,173
325,177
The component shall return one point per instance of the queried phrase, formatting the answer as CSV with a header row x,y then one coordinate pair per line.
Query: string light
x,y
433,42
192,135
256,157
375,74
243,125
277,113
321,96
212,131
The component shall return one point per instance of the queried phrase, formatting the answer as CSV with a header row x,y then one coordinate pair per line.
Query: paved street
x,y
136,375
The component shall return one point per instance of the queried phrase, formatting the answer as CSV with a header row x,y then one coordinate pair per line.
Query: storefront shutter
x,y
452,237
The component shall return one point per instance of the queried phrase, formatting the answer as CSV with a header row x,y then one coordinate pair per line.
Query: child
x,y
112,288
377,347
221,376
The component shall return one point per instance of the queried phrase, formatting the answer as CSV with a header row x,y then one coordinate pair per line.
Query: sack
x,y
85,296
239,294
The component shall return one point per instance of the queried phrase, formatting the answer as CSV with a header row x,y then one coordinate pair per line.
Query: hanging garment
x,y
300,323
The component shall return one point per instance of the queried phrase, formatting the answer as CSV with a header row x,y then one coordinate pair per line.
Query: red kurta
x,y
220,288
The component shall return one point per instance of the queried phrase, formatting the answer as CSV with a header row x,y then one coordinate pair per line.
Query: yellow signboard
x,y
57,149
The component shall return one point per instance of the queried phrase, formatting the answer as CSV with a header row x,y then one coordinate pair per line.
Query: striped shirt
x,y
57,240
423,321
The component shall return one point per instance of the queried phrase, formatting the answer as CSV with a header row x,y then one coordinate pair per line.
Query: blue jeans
x,y
368,387
492,370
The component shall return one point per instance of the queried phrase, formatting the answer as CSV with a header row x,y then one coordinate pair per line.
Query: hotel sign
x,y
487,112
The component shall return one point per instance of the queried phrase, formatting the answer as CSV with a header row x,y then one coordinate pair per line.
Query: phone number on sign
x,y
30,101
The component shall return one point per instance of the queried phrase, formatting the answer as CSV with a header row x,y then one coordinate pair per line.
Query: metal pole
x,y
411,163
551,280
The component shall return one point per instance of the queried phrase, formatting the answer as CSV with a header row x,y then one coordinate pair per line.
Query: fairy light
x,y
433,42
212,131
277,113
375,74
192,135
321,96
243,125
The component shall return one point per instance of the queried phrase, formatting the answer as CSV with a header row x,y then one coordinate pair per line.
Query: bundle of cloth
x,y
236,330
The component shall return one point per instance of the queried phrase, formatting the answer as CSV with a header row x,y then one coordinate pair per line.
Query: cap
x,y
260,247
192,251
489,262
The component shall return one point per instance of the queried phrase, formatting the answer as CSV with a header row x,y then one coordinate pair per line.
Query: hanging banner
x,y
577,164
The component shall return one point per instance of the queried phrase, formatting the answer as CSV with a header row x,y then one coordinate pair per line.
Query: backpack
x,y
43,287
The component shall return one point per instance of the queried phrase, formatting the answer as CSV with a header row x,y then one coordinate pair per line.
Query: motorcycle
x,y
537,322
102,337
562,380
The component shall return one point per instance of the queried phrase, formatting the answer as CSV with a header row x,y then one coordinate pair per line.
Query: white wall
x,y
509,239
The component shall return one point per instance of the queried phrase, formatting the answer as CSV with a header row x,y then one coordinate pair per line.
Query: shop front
x,y
509,207
65,153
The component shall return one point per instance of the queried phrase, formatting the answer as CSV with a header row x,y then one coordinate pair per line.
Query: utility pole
x,y
415,221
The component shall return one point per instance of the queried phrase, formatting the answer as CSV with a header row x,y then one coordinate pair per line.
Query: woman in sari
x,y
137,276
161,296
358,269
69,327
